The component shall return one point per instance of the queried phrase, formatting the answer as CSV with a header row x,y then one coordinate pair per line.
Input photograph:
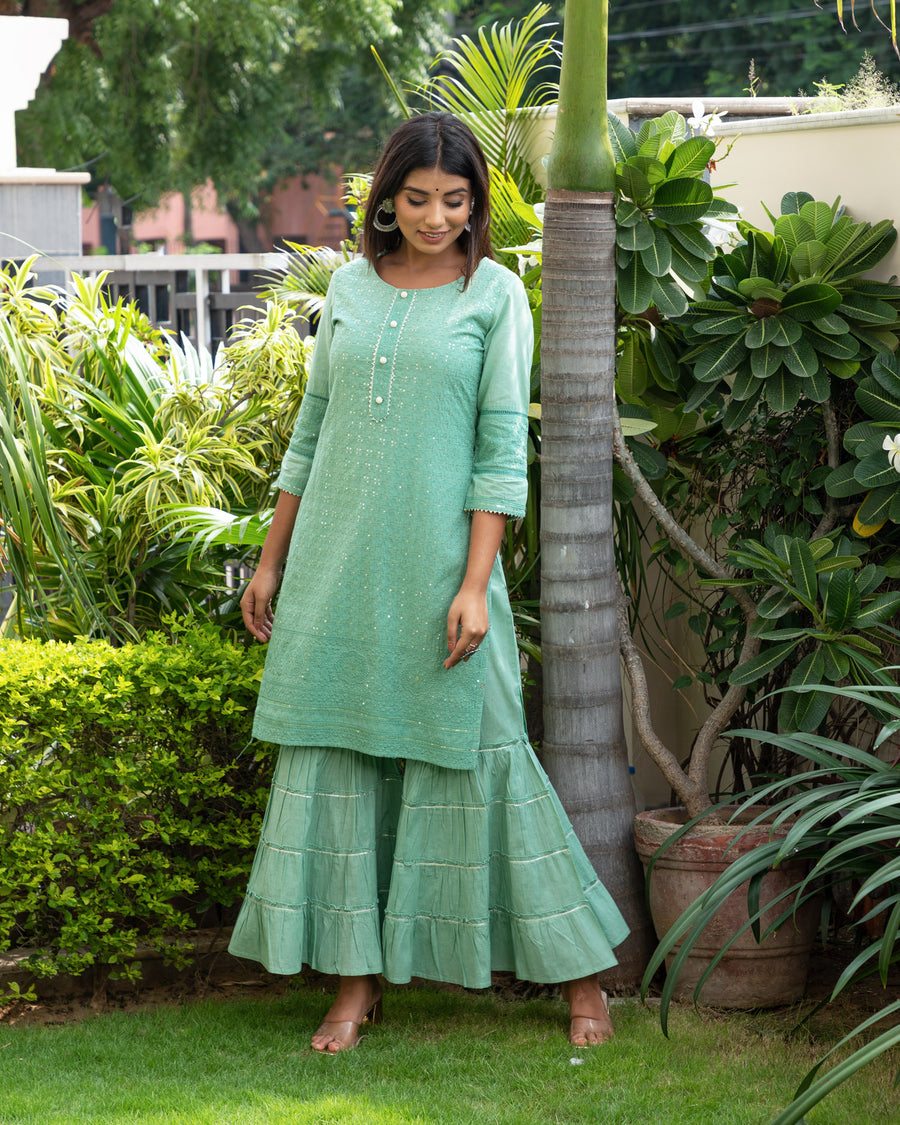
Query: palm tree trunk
x,y
584,746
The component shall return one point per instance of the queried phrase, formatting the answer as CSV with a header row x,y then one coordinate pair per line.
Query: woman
x,y
410,830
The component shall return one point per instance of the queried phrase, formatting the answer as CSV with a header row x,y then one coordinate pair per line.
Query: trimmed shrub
x,y
130,800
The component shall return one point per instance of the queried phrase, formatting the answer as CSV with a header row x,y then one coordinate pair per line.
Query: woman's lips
x,y
433,236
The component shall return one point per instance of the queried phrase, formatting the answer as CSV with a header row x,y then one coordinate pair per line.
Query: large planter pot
x,y
751,975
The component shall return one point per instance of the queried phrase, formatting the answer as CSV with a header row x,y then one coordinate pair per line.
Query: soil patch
x,y
218,976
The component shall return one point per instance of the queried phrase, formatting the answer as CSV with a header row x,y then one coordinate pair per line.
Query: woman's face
x,y
432,209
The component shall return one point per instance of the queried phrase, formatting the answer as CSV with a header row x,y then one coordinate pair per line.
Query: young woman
x,y
410,829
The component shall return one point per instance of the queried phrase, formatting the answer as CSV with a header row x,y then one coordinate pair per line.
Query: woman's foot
x,y
358,1000
589,1022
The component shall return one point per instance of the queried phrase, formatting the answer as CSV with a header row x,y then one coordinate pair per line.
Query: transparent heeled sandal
x,y
588,1031
346,1033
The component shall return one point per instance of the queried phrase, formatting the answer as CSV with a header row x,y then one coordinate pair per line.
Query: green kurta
x,y
415,415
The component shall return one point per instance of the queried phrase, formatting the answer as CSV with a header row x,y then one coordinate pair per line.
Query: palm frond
x,y
496,88
304,280
509,226
212,527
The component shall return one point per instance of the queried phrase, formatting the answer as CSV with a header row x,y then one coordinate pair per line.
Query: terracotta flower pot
x,y
751,975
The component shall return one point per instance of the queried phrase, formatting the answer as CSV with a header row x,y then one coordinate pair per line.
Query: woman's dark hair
x,y
431,140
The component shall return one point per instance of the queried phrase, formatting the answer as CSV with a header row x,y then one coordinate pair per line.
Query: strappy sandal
x,y
345,1033
588,1031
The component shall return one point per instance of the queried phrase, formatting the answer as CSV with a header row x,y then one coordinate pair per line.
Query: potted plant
x,y
836,827
786,331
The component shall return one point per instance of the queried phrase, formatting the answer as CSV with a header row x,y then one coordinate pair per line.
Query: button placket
x,y
384,361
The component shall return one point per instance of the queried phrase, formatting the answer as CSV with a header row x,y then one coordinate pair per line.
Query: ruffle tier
x,y
442,874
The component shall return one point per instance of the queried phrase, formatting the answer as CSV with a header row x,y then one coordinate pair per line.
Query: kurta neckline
x,y
429,289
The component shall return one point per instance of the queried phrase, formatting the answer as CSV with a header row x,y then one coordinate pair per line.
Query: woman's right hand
x,y
256,604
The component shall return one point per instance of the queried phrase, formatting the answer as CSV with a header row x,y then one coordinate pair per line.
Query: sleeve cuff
x,y
294,474
505,495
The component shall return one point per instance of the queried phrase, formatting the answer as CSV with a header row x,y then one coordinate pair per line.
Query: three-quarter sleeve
x,y
298,459
499,481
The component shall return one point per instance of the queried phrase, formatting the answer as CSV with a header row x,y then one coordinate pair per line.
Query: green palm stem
x,y
584,748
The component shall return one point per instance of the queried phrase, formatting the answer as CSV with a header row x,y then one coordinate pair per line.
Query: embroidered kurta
x,y
415,415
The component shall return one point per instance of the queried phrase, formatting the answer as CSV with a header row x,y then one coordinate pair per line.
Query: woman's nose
x,y
435,215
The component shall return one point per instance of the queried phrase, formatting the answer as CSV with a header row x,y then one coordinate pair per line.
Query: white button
x,y
393,324
403,293
379,400
383,359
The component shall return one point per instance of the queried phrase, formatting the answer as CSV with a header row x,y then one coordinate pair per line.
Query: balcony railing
x,y
199,295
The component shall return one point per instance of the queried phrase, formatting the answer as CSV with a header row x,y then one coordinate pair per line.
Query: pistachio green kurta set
x,y
463,861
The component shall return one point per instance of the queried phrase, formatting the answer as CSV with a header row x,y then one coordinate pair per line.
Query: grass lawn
x,y
439,1057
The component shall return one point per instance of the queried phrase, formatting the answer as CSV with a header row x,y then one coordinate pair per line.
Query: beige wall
x,y
854,155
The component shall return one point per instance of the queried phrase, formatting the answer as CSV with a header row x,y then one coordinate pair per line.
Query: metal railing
x,y
199,295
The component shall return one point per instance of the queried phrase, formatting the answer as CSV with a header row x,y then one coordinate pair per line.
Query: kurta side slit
x,y
463,862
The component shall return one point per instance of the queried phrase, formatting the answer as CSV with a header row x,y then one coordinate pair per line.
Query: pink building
x,y
305,209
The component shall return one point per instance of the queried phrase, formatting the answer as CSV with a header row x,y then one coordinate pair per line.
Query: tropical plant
x,y
841,816
662,208
104,425
787,311
874,465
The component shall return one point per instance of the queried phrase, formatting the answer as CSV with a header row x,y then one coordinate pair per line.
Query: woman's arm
x,y
256,602
467,621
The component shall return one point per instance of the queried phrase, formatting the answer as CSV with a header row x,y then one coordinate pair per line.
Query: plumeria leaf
x,y
631,370
628,213
693,240
753,670
657,257
842,600
808,258
634,286
783,391
793,201
684,263
876,470
745,384
720,358
800,359
738,413
784,331
833,324
691,158
724,325
765,361
810,299
818,386
633,183
876,401
669,298
638,236
776,604
803,569
879,610
794,230
765,331
682,201
867,310
886,373
840,347
820,218
836,663
876,507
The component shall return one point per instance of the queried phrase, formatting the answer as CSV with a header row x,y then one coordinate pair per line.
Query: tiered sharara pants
x,y
425,872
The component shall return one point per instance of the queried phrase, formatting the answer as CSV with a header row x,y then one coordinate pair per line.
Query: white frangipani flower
x,y
892,445
703,123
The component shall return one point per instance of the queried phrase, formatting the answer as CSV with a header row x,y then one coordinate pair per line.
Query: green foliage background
x,y
128,811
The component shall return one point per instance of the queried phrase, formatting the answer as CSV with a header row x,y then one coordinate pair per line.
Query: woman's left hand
x,y
467,625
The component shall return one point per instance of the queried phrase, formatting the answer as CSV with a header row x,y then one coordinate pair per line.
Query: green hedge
x,y
130,800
